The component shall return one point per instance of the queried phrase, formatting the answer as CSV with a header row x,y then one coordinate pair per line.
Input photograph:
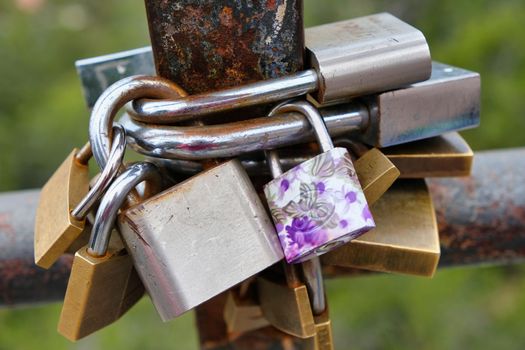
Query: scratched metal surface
x,y
208,45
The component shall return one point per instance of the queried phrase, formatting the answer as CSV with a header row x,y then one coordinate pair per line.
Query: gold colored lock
x,y
376,173
55,228
323,338
104,284
445,155
405,239
285,303
242,312
100,290
65,200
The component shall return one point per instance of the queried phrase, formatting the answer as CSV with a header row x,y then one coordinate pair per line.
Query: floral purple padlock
x,y
319,204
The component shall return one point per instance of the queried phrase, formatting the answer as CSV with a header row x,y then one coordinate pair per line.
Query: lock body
x,y
318,205
446,155
55,228
99,292
376,173
405,239
366,55
287,308
199,238
242,314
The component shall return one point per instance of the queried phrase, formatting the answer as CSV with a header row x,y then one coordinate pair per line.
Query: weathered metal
x,y
210,45
21,281
481,219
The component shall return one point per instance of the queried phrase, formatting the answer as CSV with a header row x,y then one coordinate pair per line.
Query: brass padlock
x,y
445,155
405,239
242,312
66,199
285,303
103,283
376,173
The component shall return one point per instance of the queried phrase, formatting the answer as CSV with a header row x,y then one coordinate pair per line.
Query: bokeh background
x,y
42,116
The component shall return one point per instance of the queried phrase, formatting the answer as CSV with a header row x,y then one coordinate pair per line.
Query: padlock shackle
x,y
114,199
313,279
113,99
236,138
171,111
116,156
314,118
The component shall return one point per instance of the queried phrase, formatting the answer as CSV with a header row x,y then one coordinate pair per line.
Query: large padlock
x,y
103,283
318,204
66,199
199,238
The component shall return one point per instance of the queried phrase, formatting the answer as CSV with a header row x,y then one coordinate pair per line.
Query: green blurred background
x,y
42,116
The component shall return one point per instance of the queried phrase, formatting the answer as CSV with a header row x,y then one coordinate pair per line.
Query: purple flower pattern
x,y
318,202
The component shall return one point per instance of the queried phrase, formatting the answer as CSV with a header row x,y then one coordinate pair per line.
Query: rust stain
x,y
207,46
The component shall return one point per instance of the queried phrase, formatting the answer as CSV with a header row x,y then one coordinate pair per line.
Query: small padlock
x,y
66,199
405,239
199,238
103,283
318,204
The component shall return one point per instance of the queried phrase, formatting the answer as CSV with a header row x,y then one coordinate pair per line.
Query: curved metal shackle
x,y
112,100
114,199
313,279
261,92
313,116
236,138
116,156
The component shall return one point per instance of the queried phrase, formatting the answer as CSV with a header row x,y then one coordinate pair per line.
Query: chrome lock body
x,y
318,204
199,238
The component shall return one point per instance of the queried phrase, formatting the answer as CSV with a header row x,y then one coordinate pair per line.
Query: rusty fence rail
x,y
481,219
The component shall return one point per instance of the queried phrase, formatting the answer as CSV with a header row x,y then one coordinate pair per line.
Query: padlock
x,y
65,200
376,173
405,239
441,156
318,204
285,303
242,312
350,58
103,284
199,238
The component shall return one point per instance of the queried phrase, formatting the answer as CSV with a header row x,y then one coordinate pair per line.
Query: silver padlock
x,y
351,58
199,238
318,204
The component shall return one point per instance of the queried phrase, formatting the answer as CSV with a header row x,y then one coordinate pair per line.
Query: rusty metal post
x,y
21,281
208,45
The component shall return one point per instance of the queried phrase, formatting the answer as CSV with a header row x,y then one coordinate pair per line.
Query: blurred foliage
x,y
42,116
